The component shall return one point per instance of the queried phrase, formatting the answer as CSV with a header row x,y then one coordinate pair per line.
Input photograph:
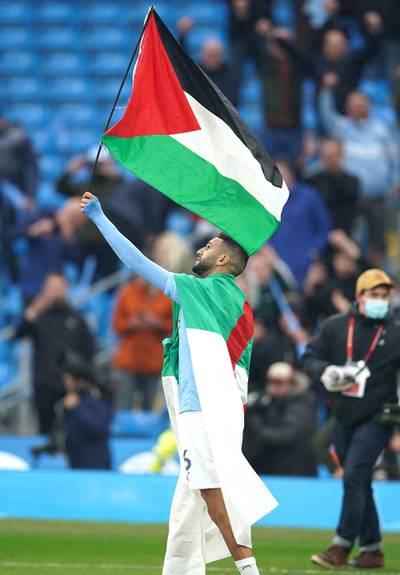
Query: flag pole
x,y
151,9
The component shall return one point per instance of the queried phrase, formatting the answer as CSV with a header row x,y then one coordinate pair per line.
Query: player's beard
x,y
201,266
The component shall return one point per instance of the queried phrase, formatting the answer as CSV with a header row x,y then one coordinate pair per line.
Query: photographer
x,y
356,356
87,417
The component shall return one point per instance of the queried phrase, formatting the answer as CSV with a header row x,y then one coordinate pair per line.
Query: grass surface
x,y
72,548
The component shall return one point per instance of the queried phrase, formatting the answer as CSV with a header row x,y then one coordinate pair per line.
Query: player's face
x,y
207,256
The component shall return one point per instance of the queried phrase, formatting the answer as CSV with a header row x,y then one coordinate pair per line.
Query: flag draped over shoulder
x,y
180,134
219,328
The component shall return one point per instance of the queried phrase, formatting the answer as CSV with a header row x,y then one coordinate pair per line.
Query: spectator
x,y
55,328
366,142
303,233
282,83
336,59
333,291
356,356
339,189
279,424
73,183
248,21
213,62
18,168
142,318
87,417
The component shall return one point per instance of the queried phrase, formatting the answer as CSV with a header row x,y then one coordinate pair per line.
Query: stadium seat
x,y
58,38
56,13
98,13
377,90
32,116
108,63
106,90
252,114
15,38
250,92
21,89
15,13
63,64
17,63
137,424
199,35
50,167
203,15
48,197
108,38
43,142
68,90
76,141
78,115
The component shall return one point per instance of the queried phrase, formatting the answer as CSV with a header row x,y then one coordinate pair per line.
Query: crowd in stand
x,y
343,177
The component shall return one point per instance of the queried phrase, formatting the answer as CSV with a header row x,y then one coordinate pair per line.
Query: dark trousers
x,y
358,448
45,398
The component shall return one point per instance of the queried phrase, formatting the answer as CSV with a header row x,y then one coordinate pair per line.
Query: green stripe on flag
x,y
197,185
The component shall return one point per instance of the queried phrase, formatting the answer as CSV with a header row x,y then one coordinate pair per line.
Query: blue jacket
x,y
304,230
87,431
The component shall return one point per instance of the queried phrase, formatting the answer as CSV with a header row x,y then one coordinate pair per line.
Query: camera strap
x,y
350,338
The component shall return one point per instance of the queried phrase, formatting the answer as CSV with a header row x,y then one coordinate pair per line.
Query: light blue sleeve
x,y
129,254
330,118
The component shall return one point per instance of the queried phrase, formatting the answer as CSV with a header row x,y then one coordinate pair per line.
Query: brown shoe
x,y
368,560
334,556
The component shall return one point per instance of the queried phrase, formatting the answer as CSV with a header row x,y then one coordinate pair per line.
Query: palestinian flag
x,y
181,135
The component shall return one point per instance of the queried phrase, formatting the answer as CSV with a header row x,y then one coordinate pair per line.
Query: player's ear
x,y
223,260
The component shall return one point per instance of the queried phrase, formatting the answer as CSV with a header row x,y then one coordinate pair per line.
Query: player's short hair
x,y
238,256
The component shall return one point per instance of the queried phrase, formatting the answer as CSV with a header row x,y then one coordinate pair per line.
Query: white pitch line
x,y
272,570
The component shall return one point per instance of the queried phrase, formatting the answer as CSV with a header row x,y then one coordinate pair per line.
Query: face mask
x,y
376,308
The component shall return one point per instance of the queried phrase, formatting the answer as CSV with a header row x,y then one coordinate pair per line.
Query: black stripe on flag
x,y
196,83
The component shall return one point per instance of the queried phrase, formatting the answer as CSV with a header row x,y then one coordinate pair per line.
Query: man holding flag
x,y
181,135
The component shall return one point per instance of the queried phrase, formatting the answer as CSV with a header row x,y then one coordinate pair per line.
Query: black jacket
x,y
328,347
277,434
56,331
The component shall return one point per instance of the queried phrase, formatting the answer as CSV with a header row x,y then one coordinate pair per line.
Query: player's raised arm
x,y
125,250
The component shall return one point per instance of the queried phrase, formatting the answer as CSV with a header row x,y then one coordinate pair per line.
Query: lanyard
x,y
350,337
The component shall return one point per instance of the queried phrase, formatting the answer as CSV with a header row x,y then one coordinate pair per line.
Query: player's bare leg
x,y
243,556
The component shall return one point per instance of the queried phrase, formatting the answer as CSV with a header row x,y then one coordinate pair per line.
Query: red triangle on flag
x,y
158,105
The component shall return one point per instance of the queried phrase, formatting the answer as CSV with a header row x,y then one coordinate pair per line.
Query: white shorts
x,y
195,451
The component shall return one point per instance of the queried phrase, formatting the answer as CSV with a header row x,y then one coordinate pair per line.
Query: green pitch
x,y
71,548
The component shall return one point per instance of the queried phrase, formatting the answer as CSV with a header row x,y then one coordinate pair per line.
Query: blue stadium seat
x,y
56,13
200,34
48,197
108,63
251,92
63,64
78,116
137,424
58,38
252,114
106,90
30,115
377,90
17,63
50,167
15,38
15,13
108,38
43,141
21,89
76,141
204,14
68,90
98,13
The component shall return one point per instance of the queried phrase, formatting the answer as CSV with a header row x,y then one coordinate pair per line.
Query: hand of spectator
x,y
281,33
76,164
329,80
332,7
37,306
316,275
338,473
340,240
263,27
373,22
184,24
340,302
42,228
395,442
71,400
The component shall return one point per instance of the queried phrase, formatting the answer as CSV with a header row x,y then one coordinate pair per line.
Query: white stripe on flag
x,y
218,144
